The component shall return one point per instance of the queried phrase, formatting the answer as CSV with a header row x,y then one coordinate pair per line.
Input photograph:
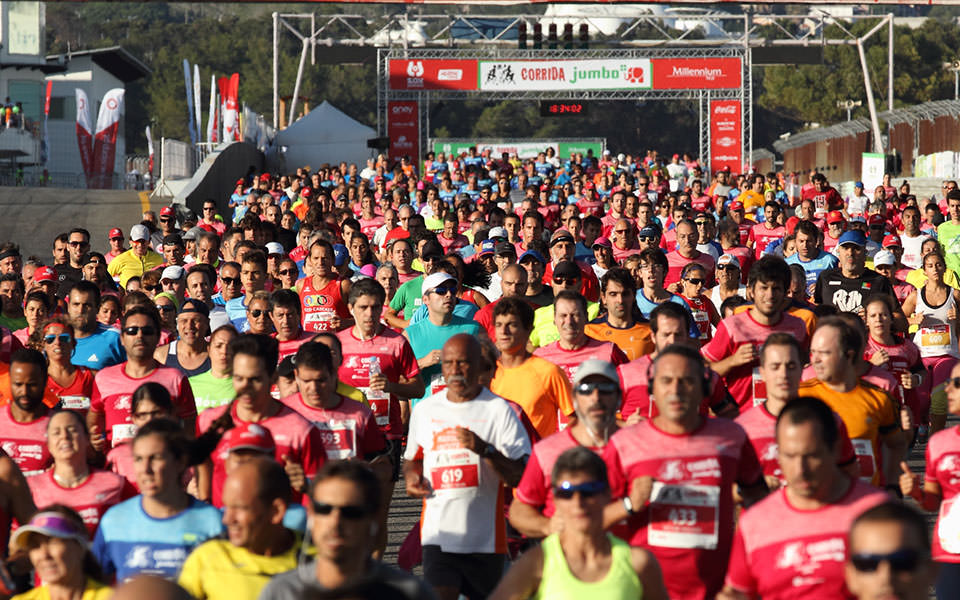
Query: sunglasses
x,y
352,512
902,561
165,219
257,313
116,239
63,338
589,489
146,330
165,308
565,280
604,387
695,281
77,244
646,238
230,280
287,272
444,290
953,382
153,288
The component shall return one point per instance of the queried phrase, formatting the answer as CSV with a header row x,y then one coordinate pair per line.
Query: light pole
x,y
955,67
849,105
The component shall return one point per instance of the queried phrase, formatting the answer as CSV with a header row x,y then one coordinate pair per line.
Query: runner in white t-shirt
x,y
464,443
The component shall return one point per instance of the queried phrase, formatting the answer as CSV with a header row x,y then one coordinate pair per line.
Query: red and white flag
x,y
149,152
230,109
84,134
105,138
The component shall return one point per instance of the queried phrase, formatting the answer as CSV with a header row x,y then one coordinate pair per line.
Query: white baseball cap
x,y
275,248
139,233
430,282
172,273
884,258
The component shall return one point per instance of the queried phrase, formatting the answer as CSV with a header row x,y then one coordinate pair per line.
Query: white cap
x,y
884,258
496,232
139,233
430,282
275,248
606,153
172,273
593,366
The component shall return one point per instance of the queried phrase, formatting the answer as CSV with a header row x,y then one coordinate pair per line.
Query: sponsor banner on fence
x,y
523,149
726,135
433,74
403,128
565,75
696,73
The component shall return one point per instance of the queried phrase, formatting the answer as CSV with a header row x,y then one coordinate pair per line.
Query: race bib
x,y
380,404
868,464
684,516
935,339
437,383
75,402
318,321
759,387
455,471
339,437
948,526
702,319
123,432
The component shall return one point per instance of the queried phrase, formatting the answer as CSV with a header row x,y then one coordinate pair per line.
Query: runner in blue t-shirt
x,y
99,350
154,532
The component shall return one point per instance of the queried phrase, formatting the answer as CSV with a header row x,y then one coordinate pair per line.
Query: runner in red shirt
x,y
824,197
781,368
685,254
734,350
670,324
285,315
596,397
737,214
685,466
109,420
793,543
762,234
23,422
299,446
574,346
369,346
321,292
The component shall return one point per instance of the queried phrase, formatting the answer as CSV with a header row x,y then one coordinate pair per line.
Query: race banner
x,y
726,135
212,115
105,138
403,129
433,74
230,92
84,134
525,148
45,144
189,86
565,75
196,102
149,152
697,73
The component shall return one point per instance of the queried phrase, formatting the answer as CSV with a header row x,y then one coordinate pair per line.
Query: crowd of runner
x,y
609,375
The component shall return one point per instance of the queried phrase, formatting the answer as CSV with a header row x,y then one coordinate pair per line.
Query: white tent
x,y
324,135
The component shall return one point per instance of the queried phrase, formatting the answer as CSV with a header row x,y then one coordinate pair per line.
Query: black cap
x,y
173,239
89,256
566,268
431,248
192,305
504,248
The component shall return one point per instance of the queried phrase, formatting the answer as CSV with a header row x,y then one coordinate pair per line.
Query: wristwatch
x,y
627,505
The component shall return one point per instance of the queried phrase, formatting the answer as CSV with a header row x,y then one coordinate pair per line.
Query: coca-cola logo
x,y
730,109
449,74
726,142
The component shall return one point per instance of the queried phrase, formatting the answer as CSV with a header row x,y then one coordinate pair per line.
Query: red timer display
x,y
562,109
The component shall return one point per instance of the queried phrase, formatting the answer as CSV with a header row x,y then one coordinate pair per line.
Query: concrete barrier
x,y
32,217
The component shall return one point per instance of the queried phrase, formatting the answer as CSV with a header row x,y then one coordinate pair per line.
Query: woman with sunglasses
x,y
71,481
693,278
72,384
168,306
161,526
934,309
36,309
287,275
582,560
257,315
939,492
56,543
150,283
